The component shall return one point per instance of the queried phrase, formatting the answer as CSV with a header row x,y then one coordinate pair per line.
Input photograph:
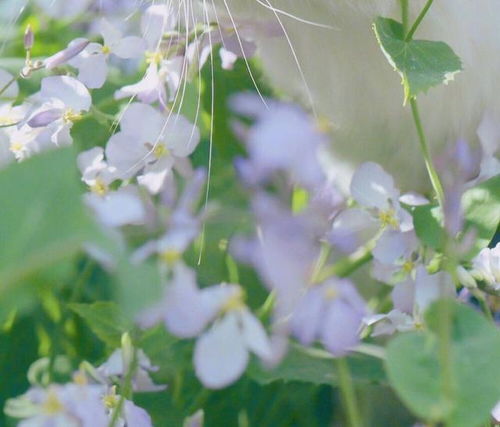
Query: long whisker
x,y
295,57
211,136
252,77
295,17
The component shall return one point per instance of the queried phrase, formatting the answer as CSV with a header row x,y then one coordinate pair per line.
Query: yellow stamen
x,y
170,256
160,151
16,147
153,57
99,187
388,218
235,302
330,293
408,266
80,378
71,116
106,50
52,404
111,400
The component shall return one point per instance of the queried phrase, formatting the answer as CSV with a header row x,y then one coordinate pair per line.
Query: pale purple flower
x,y
151,142
92,61
374,191
63,100
414,295
283,139
486,266
71,405
388,324
117,208
183,226
116,367
96,173
331,312
64,56
221,353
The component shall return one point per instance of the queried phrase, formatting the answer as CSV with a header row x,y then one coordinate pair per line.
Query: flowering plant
x,y
177,247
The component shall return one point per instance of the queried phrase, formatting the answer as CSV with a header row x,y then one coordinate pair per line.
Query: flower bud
x,y
29,38
65,55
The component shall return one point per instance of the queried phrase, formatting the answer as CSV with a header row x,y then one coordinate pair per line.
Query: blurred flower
x,y
282,139
92,61
331,312
486,266
64,56
374,190
117,366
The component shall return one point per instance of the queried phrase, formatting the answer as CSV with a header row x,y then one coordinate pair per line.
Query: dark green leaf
x,y
422,64
416,374
105,319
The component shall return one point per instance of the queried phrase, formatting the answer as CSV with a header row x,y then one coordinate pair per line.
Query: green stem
x,y
345,267
348,394
431,170
126,390
404,15
419,19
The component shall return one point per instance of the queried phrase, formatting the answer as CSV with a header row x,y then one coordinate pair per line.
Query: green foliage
x,y
481,206
317,367
415,372
105,319
422,64
43,219
481,210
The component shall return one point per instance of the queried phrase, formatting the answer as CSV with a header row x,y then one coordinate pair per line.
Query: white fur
x,y
352,84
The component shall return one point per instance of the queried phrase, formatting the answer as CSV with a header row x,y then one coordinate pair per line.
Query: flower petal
x,y
220,354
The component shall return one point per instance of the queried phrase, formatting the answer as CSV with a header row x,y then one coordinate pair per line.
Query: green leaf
x,y
317,367
415,373
481,206
427,220
422,64
105,319
42,217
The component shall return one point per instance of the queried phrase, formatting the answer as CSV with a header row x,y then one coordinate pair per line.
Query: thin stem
x,y
345,267
8,84
404,15
419,19
348,394
431,170
126,391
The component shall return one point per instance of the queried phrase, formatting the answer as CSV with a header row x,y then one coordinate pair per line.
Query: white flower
x,y
63,100
92,61
486,266
151,142
373,189
221,354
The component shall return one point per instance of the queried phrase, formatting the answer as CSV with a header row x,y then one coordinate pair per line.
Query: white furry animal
x,y
348,79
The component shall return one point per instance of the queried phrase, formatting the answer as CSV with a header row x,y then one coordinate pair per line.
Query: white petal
x,y
129,47
93,71
372,186
110,34
220,354
181,135
390,246
69,90
126,153
429,288
255,335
